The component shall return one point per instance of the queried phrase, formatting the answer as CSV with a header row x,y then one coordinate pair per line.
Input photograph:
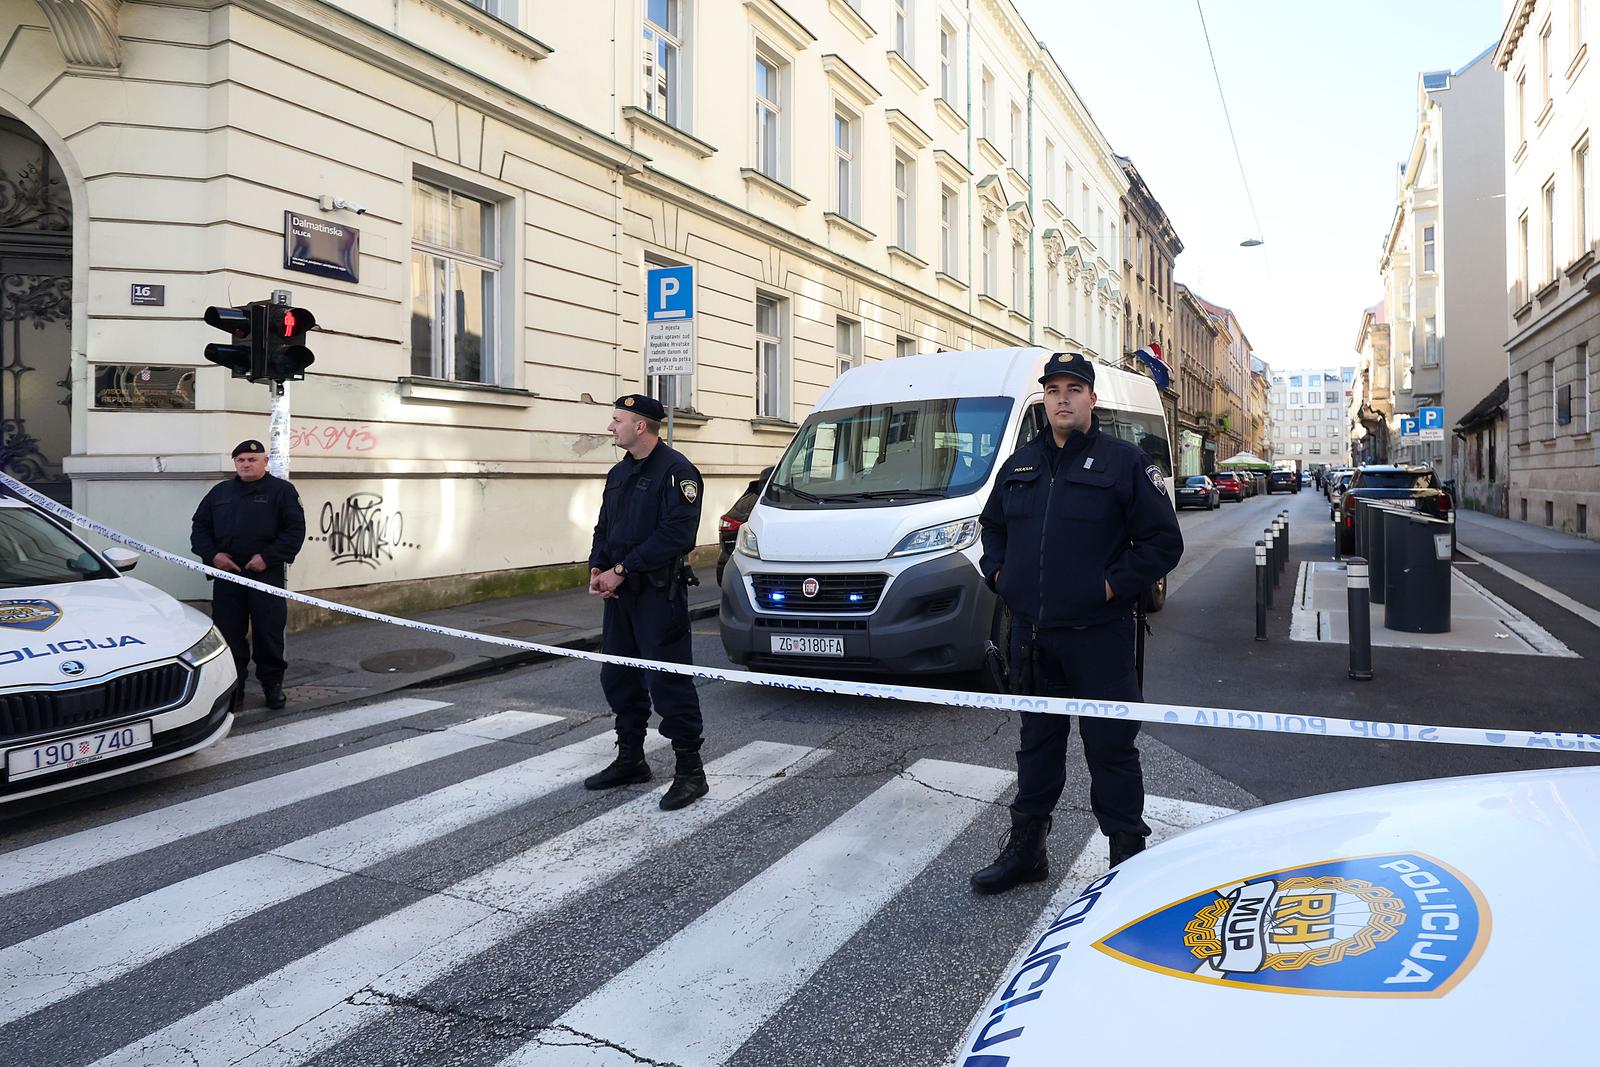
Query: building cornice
x,y
1521,14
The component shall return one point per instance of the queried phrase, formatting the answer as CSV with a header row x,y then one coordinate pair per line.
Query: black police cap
x,y
253,448
646,406
1071,363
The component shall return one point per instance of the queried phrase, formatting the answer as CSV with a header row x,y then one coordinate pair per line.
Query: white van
x,y
862,551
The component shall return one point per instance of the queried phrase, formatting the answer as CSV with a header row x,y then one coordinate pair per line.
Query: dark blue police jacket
x,y
1062,522
650,514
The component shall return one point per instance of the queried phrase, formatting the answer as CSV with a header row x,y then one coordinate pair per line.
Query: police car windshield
x,y
34,551
884,454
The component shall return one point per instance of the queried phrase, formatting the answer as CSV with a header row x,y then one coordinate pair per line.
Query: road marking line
x,y
288,1016
701,994
1166,817
1555,596
93,950
313,728
34,865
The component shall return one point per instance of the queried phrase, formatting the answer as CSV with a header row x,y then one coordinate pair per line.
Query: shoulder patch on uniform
x,y
690,491
1157,479
1021,470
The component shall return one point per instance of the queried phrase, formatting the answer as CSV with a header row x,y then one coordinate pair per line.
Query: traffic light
x,y
246,357
287,356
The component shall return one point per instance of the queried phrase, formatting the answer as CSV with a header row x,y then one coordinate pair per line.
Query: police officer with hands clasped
x,y
251,524
649,519
1077,527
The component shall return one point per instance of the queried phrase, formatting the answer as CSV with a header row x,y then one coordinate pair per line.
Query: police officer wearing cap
x,y
649,519
1077,527
251,524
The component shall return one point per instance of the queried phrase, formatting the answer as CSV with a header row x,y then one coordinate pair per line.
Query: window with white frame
x,y
1584,369
770,154
1101,236
1581,197
1430,341
905,346
1019,145
1019,277
988,105
1053,297
1049,170
1427,250
1523,294
846,131
905,203
772,363
847,343
504,10
1066,192
947,63
1575,26
1522,106
991,250
1547,229
1097,237
904,28
455,284
1547,73
663,59
949,206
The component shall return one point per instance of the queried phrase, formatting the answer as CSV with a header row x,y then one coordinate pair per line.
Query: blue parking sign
x,y
1408,426
669,294
1431,418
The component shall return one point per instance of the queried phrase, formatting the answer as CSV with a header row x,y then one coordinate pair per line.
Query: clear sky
x,y
1323,95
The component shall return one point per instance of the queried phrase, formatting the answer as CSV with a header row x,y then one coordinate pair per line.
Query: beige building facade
x,y
1196,333
1150,248
849,183
1552,325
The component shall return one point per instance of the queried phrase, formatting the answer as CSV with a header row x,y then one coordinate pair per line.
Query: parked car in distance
x,y
1337,482
1229,485
1411,486
1198,491
735,517
1288,481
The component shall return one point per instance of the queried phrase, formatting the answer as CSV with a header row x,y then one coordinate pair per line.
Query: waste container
x,y
1369,543
1416,573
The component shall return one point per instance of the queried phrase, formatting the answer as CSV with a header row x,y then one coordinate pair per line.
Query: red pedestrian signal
x,y
287,356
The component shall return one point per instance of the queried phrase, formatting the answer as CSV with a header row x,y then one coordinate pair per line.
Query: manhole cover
x,y
407,661
522,628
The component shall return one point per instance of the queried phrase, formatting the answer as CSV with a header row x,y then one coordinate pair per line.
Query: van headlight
x,y
207,648
747,543
952,535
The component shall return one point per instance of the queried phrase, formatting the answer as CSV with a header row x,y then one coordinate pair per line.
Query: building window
x,y
1575,29
663,51
1098,237
1547,230
905,205
1525,393
1523,294
847,344
1550,381
947,230
1428,262
1294,398
1018,144
455,283
845,131
1066,190
770,154
1580,198
772,364
1019,277
991,249
1315,450
1049,170
903,28
1547,74
1313,431
1430,343
1583,368
905,346
947,63
988,106
1053,298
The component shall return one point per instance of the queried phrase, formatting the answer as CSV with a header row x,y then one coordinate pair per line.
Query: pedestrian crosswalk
x,y
696,994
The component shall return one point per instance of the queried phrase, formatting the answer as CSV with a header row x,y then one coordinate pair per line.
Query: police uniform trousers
x,y
1085,663
235,608
647,623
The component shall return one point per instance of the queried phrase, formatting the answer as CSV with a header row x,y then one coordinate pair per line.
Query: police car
x,y
100,674
1399,924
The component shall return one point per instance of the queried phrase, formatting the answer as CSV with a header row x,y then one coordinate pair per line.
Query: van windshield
x,y
892,453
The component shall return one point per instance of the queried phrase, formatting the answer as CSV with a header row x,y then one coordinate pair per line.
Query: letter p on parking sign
x,y
669,294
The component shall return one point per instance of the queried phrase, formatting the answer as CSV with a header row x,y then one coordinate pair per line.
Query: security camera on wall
x,y
339,203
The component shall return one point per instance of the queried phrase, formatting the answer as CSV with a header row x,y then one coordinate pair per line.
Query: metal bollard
x,y
1356,592
1269,547
1285,515
1263,590
1338,517
1277,554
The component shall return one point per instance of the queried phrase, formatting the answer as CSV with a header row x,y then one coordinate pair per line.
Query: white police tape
x,y
1179,714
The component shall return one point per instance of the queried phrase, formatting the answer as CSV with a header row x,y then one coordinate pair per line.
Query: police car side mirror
x,y
122,559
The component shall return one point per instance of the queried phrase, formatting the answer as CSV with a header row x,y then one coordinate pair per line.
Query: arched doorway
x,y
35,311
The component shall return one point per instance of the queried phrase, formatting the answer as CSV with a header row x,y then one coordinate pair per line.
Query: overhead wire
x,y
1238,157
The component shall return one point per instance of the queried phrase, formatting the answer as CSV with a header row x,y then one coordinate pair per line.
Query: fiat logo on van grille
x,y
810,587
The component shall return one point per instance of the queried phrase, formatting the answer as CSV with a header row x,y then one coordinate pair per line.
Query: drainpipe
x,y
972,283
1033,323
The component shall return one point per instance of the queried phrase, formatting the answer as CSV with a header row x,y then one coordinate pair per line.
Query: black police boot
x,y
629,768
688,781
1124,845
274,694
1022,856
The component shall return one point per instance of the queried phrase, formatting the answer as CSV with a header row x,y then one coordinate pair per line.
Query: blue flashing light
x,y
856,598
776,596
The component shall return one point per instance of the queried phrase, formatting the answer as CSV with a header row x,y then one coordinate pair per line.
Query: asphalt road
x,y
427,882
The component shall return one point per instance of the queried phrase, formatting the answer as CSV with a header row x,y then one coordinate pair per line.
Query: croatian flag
x,y
1150,355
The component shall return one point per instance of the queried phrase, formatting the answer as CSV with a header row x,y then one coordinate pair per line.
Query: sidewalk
x,y
359,660
1564,562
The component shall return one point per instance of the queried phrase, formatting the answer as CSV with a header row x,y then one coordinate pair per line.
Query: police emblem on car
x,y
72,668
1157,479
810,587
1400,924
28,614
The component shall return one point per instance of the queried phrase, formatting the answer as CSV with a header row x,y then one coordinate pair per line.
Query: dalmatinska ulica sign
x,y
317,246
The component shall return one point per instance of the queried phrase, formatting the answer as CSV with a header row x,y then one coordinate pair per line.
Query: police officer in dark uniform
x,y
1077,527
649,519
252,525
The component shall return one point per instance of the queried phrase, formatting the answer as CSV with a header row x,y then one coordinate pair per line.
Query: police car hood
x,y
1431,922
105,625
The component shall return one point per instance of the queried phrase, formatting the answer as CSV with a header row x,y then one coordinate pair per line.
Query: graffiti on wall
x,y
360,530
316,437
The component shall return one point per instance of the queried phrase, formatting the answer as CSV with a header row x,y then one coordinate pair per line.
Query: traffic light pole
x,y
278,427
